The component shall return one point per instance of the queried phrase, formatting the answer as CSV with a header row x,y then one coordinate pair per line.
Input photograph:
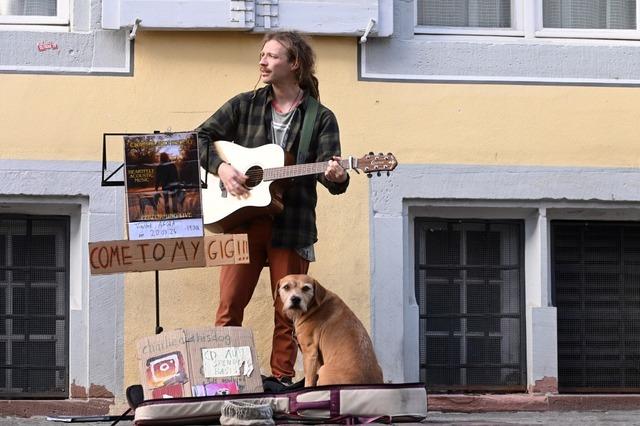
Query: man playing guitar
x,y
275,114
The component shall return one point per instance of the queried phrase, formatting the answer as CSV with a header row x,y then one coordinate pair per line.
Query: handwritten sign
x,y
226,362
166,229
109,257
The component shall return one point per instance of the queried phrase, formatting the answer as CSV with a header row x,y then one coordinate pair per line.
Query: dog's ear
x,y
275,292
319,293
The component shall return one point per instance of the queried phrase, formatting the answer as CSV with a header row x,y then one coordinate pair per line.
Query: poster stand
x,y
109,180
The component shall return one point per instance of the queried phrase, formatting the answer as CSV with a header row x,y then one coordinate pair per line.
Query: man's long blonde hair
x,y
299,51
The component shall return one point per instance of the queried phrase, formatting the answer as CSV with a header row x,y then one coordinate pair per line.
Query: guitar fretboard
x,y
285,172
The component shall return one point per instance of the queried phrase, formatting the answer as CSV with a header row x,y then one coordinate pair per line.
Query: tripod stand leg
x,y
158,328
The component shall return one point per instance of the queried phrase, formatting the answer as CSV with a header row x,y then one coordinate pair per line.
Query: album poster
x,y
163,186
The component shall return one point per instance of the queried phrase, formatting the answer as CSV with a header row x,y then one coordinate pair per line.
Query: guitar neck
x,y
286,172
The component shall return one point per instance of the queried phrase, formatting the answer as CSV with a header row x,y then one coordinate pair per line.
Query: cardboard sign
x,y
179,363
109,257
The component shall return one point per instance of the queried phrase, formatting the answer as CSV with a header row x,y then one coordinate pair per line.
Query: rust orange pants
x,y
237,283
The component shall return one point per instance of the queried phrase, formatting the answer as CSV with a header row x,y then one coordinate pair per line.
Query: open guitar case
x,y
335,404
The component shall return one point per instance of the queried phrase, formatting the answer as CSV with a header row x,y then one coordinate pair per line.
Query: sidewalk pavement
x,y
560,418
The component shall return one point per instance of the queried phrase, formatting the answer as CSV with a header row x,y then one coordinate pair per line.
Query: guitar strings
x,y
257,173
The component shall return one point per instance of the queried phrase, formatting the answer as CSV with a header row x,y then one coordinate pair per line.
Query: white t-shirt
x,y
280,126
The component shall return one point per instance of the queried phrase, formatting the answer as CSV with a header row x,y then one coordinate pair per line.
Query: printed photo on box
x,y
166,369
163,185
162,176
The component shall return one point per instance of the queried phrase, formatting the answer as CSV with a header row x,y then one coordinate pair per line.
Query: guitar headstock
x,y
376,163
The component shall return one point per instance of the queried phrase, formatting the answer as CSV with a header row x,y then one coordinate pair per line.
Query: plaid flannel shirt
x,y
246,120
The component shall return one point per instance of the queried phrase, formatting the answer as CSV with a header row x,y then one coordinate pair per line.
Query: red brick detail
x,y
486,403
21,408
77,391
593,402
99,391
545,385
95,391
530,402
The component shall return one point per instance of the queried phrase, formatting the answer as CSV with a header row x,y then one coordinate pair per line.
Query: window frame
x,y
517,25
527,22
589,33
62,17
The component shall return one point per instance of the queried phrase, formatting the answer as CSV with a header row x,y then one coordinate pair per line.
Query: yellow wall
x,y
181,78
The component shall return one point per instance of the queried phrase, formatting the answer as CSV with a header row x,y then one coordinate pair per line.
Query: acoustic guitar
x,y
264,166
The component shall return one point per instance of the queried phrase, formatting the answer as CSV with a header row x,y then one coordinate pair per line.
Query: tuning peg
x,y
369,175
387,173
378,173
389,154
380,154
370,152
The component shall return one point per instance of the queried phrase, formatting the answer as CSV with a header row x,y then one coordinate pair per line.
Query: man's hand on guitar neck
x,y
233,180
335,172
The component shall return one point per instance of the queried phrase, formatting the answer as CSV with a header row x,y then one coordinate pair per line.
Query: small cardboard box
x,y
199,362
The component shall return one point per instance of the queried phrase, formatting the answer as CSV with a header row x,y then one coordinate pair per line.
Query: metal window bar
x,y
34,306
461,350
596,289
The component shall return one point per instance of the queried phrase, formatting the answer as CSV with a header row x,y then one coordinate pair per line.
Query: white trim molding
x,y
523,54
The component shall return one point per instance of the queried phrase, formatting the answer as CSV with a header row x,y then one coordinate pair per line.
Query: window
x,y
593,14
465,13
34,283
469,16
34,12
596,280
615,19
469,288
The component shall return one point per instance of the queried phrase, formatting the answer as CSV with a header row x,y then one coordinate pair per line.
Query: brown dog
x,y
336,348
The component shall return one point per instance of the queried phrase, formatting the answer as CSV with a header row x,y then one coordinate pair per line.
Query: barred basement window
x,y
34,300
596,282
470,292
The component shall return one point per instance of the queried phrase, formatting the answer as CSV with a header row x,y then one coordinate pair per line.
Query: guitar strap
x,y
307,128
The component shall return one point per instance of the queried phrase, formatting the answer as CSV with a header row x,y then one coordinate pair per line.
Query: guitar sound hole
x,y
255,175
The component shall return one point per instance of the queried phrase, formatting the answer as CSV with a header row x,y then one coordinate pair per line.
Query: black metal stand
x,y
108,181
158,328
